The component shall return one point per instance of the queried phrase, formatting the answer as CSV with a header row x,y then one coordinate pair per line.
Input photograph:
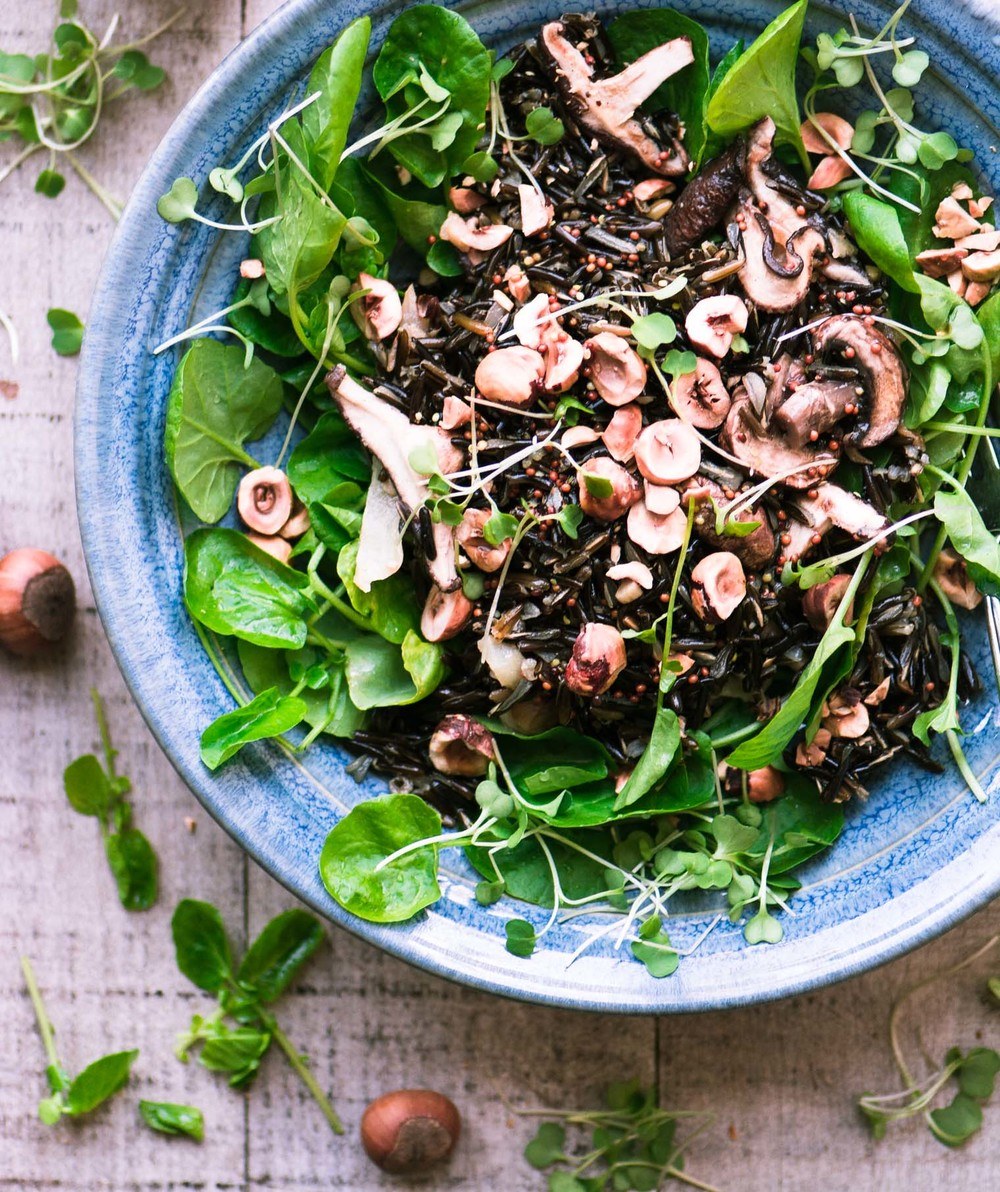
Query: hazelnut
x,y
37,601
701,397
445,614
668,451
953,221
264,500
651,188
622,431
952,576
460,745
820,603
511,375
625,490
598,659
479,551
718,586
468,235
272,544
617,371
298,522
765,785
252,269
465,200
656,534
562,363
410,1131
712,323
379,312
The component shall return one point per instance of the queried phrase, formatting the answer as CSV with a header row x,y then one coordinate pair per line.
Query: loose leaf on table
x,y
762,83
367,835
87,786
134,865
269,714
521,938
276,955
67,331
215,406
234,1050
99,1081
337,76
202,948
170,1118
234,587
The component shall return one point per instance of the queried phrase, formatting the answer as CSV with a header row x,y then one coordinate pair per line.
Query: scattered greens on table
x,y
74,1096
592,738
100,791
67,332
235,1037
51,102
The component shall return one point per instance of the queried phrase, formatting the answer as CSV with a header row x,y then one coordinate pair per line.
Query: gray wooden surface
x,y
781,1078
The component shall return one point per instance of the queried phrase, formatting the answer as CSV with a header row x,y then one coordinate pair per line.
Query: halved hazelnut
x,y
517,283
461,745
651,188
765,785
952,576
622,431
636,571
846,716
976,291
625,490
828,172
510,375
252,268
953,221
660,498
718,586
379,312
536,213
465,200
479,551
616,370
445,614
982,266
656,534
712,323
837,129
701,397
272,544
668,451
468,235
598,659
532,321
939,262
563,362
813,753
578,436
455,413
298,522
264,500
820,603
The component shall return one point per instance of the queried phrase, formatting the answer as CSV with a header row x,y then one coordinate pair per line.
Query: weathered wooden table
x,y
781,1078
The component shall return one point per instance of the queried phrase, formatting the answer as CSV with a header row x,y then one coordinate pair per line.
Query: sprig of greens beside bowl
x,y
628,537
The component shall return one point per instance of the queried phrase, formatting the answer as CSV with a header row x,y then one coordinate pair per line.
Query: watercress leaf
x,y
50,183
878,232
597,486
956,1123
936,149
678,364
87,786
99,1081
762,83
521,938
269,714
390,605
297,248
849,71
481,166
169,1118
653,949
270,329
525,868
236,1050
566,1181
569,519
276,955
958,513
67,332
660,751
654,331
731,837
215,406
337,77
543,126
928,392
325,458
978,1073
367,835
134,865
989,319
416,211
424,663
233,587
547,1147
444,259
552,761
685,93
203,953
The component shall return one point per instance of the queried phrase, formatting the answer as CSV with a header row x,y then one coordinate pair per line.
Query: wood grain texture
x,y
781,1078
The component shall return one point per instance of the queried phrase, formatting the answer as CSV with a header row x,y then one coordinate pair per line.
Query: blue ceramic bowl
x,y
915,858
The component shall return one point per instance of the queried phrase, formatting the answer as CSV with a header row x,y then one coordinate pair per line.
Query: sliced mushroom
x,y
392,438
380,543
379,312
701,397
470,538
703,203
460,745
668,451
616,370
847,511
445,614
769,455
656,534
622,431
469,235
264,500
606,107
512,376
504,660
712,323
821,601
637,572
878,360
625,489
813,753
814,408
598,659
536,213
718,586
952,575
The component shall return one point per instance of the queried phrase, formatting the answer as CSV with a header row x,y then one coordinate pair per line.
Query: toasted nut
x,y
298,521
668,451
563,362
455,413
622,431
952,575
718,586
465,200
712,323
846,718
976,291
651,188
272,544
953,221
837,130
637,572
660,498
445,614
982,266
876,697
37,601
536,213
579,436
251,269
617,371
828,172
264,500
820,603
480,552
765,785
511,375
460,745
379,313
598,659
939,262
701,397
656,534
813,754
468,235
625,490
987,239
410,1131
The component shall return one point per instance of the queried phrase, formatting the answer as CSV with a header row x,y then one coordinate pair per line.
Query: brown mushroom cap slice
x,y
701,397
655,533
625,489
598,658
814,406
461,745
617,371
878,360
718,586
606,107
511,376
668,451
703,203
264,500
763,454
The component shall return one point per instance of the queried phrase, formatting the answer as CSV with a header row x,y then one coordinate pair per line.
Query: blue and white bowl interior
x,y
914,859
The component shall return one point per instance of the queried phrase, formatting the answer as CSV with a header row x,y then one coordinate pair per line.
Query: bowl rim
x,y
950,906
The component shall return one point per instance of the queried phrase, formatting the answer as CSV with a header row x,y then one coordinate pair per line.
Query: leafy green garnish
x,y
67,332
166,1117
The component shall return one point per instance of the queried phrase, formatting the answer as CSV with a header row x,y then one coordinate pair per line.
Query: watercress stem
x,y
45,1028
305,1074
